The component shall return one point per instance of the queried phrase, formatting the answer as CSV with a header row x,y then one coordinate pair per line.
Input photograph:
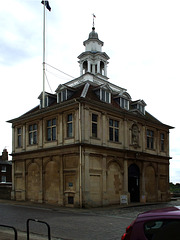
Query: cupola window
x,y
102,70
85,67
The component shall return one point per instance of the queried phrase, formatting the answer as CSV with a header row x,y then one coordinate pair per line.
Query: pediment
x,y
61,87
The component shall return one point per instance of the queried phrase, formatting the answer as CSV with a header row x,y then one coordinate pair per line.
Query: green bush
x,y
174,188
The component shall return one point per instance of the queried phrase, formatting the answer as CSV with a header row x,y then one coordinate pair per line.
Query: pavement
x,y
8,233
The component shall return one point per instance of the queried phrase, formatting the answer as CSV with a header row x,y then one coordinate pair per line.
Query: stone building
x,y
91,145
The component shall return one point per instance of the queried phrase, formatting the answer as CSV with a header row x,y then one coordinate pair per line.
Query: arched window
x,y
102,68
85,67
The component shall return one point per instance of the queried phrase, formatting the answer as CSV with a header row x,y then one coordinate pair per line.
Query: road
x,y
85,224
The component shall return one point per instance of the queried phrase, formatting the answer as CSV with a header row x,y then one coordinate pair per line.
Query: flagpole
x,y
43,98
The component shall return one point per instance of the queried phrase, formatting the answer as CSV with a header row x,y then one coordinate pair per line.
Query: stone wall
x,y
5,192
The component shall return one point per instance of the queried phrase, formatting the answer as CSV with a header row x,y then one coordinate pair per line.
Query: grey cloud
x,y
18,40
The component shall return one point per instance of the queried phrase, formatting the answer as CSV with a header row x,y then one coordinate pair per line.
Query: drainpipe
x,y
80,158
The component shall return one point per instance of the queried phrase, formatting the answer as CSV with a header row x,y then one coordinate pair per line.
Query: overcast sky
x,y
142,39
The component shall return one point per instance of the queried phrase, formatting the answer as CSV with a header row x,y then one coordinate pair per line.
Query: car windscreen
x,y
163,229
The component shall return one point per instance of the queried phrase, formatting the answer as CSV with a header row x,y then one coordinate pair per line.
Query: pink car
x,y
160,224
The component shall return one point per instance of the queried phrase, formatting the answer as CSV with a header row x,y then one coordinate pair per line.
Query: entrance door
x,y
133,183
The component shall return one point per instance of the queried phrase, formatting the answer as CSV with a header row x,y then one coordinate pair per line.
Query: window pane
x,y
3,179
107,97
49,123
162,136
69,130
19,130
111,134
103,95
94,129
3,168
116,124
46,101
30,138
122,101
147,142
125,103
162,141
64,95
152,143
110,122
49,134
54,133
94,117
19,141
54,121
150,139
35,137
116,135
69,117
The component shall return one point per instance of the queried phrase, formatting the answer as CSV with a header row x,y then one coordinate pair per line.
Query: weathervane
x,y
93,19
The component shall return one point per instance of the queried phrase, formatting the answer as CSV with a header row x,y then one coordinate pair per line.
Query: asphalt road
x,y
82,224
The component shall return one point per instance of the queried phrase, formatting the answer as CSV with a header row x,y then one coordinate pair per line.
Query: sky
x,y
141,37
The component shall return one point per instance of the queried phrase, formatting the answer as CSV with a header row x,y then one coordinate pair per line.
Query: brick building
x,y
91,144
5,175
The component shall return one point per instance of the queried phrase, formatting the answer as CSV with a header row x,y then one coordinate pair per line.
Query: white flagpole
x,y
43,98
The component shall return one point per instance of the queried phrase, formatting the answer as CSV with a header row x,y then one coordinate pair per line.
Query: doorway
x,y
133,182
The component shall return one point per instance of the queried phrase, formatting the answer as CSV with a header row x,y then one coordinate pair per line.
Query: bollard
x,y
14,229
38,221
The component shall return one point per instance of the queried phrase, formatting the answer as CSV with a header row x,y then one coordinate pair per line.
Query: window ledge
x,y
135,145
32,145
96,138
50,141
151,149
114,142
68,138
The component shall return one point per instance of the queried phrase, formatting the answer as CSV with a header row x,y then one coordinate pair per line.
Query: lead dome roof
x,y
93,34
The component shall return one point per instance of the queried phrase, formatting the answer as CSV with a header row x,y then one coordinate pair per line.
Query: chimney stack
x,y
5,154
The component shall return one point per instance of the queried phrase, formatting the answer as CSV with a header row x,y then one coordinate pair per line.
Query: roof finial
x,y
93,20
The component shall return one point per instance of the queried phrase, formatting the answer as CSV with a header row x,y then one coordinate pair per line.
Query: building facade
x,y
91,144
5,175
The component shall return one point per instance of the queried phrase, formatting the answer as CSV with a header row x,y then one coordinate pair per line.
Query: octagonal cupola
x,y
93,60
